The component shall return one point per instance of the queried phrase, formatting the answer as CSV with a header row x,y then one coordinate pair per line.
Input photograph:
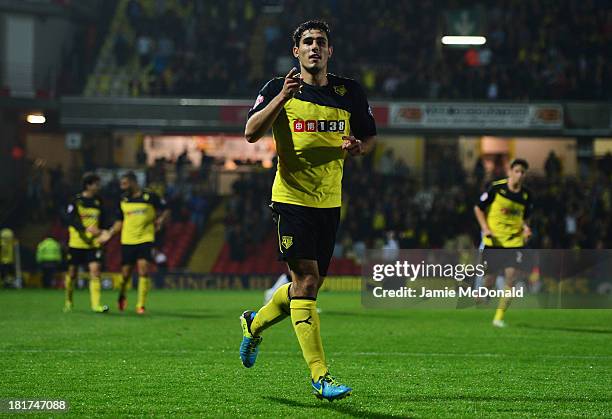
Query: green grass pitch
x,y
181,359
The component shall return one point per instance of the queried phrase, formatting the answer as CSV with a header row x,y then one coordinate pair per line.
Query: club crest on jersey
x,y
287,241
340,90
311,125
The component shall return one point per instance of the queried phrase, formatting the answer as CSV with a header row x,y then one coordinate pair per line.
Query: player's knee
x,y
305,286
95,270
143,267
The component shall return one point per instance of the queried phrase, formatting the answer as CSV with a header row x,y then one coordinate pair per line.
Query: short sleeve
x,y
528,206
158,202
265,96
486,198
119,211
72,213
362,119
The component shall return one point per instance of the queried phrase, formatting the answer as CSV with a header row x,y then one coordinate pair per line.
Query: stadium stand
x,y
544,49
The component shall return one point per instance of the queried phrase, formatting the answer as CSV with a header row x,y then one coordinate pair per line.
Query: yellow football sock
x,y
69,289
144,284
95,289
306,324
504,303
276,310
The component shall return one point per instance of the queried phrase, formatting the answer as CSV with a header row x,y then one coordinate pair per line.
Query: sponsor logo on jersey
x,y
136,212
322,125
512,212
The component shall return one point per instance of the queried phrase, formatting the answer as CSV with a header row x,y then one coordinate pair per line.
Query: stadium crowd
x,y
390,208
542,49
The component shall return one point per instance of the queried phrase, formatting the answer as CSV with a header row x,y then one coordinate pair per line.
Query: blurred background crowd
x,y
541,49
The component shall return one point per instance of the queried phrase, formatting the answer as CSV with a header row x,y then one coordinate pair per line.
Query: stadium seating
x,y
532,52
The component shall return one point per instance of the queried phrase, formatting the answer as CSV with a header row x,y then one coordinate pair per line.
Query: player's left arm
x,y
362,138
164,212
526,214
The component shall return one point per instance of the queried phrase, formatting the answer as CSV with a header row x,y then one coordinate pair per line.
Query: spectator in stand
x,y
541,50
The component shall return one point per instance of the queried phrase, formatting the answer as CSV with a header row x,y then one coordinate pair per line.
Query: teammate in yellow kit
x,y
317,119
502,212
85,216
138,221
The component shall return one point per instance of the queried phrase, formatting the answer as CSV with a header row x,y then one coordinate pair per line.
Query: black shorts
x,y
306,233
130,253
500,258
83,257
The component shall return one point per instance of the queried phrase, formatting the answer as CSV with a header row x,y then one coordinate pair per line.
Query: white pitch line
x,y
364,354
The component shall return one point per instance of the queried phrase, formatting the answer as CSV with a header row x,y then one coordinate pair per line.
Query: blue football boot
x,y
250,344
329,389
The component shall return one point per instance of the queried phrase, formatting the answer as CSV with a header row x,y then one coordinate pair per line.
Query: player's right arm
x,y
261,121
106,235
479,211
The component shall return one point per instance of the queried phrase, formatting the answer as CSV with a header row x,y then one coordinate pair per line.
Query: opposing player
x,y
502,213
85,215
316,119
138,220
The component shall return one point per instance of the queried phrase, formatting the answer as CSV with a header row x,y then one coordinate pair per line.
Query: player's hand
x,y
104,236
292,84
353,145
93,230
526,232
158,224
486,232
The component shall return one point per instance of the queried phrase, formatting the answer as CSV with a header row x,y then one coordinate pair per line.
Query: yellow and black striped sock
x,y
95,290
306,324
276,310
144,285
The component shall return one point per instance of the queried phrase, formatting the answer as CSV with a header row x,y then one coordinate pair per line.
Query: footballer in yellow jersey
x,y
317,120
140,213
502,212
85,215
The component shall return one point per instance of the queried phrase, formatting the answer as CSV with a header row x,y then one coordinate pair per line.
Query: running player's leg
x,y
144,284
128,260
274,311
304,316
510,274
69,282
277,308
95,287
126,277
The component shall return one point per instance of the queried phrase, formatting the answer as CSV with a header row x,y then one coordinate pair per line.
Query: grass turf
x,y
182,359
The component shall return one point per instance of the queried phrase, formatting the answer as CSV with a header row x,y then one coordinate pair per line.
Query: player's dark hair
x,y
131,176
308,25
89,178
519,162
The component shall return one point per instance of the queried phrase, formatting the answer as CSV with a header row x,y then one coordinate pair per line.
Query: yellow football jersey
x,y
506,212
83,212
138,215
308,135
